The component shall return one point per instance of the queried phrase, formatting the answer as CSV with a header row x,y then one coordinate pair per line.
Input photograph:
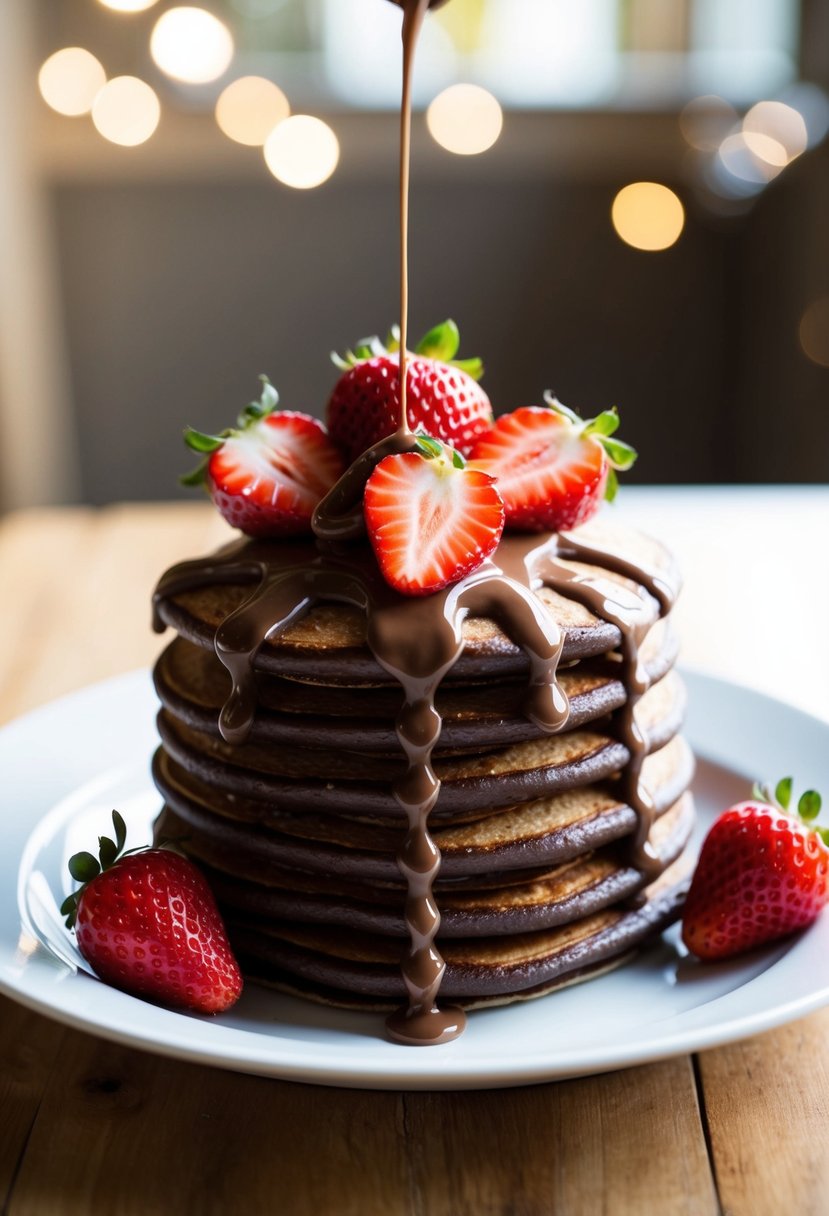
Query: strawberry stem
x,y
808,805
205,445
619,455
440,343
84,867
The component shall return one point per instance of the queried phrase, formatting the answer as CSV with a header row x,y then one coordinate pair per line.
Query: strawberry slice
x,y
552,467
267,475
431,518
763,872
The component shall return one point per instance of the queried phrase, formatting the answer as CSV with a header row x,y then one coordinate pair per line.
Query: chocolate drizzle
x,y
418,641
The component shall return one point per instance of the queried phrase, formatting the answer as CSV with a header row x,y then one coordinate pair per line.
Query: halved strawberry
x,y
431,518
442,396
551,466
267,474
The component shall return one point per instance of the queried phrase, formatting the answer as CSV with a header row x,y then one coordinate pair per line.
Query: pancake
x,y
478,971
483,904
522,727
193,685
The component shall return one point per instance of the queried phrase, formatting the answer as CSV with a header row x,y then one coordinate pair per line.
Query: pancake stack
x,y
560,853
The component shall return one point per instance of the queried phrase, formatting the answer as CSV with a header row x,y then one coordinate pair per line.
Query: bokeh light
x,y
705,122
126,111
812,104
743,161
128,6
249,109
465,119
302,152
814,331
70,80
191,44
648,216
775,121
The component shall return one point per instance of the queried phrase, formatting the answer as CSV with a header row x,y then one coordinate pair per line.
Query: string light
x,y
70,80
302,152
465,119
191,45
249,109
648,216
126,111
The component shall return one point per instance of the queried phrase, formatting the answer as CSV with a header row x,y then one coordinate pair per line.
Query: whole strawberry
x,y
268,473
147,923
552,467
763,872
442,396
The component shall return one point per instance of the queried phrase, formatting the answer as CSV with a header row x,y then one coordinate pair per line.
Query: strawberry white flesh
x,y
429,522
549,474
268,478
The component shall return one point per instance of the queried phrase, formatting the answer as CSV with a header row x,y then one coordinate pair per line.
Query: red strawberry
x,y
442,397
147,923
552,467
431,519
267,475
763,872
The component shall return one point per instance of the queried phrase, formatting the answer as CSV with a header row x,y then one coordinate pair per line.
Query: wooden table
x,y
88,1127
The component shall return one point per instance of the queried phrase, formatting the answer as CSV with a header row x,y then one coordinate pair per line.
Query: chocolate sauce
x,y
418,641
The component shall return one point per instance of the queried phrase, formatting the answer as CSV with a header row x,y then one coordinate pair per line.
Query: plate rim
x,y
301,1062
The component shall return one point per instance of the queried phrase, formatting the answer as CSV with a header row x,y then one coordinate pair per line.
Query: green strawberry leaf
x,y
621,455
441,343
68,905
808,806
120,830
605,424
393,339
196,477
474,368
84,867
783,792
611,488
199,442
426,446
107,851
552,400
457,460
255,411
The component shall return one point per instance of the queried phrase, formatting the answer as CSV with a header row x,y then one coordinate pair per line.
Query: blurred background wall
x,y
145,283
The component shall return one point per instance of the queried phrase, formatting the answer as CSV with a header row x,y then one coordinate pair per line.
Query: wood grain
x,y
767,1108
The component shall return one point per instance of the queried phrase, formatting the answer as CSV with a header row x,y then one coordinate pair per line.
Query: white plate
x,y
65,766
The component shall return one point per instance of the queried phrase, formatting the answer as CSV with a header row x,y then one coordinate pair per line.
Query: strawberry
x,y
552,467
442,397
431,518
146,922
267,474
763,872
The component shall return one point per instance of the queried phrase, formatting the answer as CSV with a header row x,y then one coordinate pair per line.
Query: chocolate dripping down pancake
x,y
285,771
489,903
252,837
348,968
